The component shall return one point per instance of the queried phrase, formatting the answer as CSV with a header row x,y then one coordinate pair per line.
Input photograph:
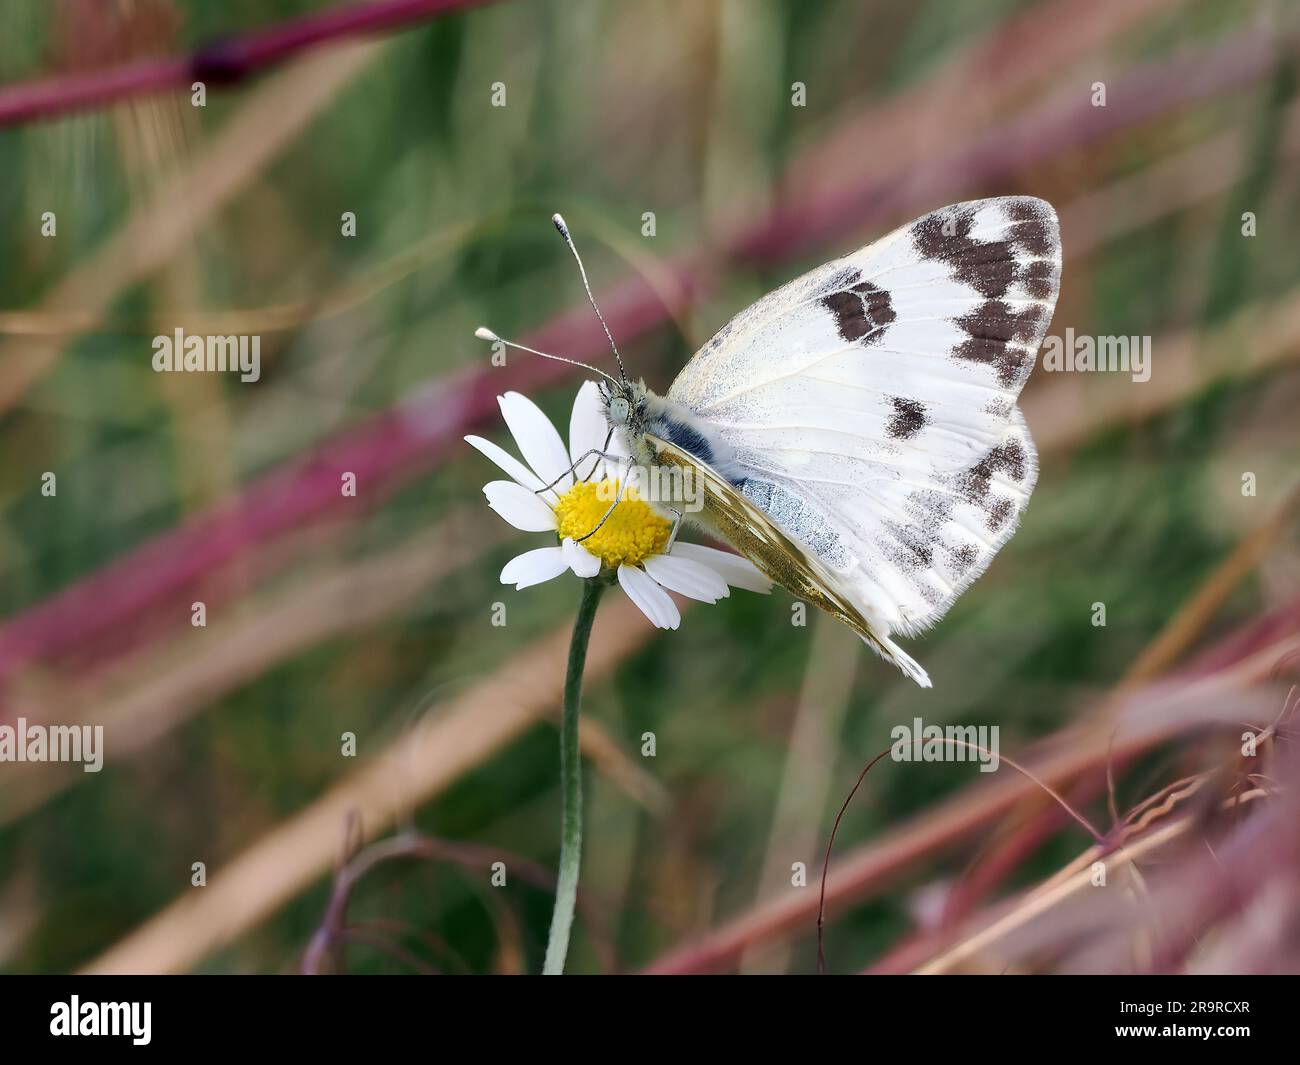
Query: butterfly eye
x,y
618,410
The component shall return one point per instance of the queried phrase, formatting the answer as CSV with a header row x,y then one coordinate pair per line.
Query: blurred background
x,y
702,152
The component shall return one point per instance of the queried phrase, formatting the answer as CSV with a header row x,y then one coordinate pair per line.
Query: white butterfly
x,y
857,429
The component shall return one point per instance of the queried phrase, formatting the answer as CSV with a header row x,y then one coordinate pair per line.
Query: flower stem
x,y
566,890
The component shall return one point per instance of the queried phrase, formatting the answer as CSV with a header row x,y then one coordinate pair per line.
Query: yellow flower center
x,y
631,534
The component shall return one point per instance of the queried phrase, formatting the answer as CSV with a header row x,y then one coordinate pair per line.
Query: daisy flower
x,y
633,541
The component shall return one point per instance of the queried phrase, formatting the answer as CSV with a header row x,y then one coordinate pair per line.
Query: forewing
x,y
871,402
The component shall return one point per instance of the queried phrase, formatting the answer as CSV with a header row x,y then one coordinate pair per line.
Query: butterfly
x,y
856,430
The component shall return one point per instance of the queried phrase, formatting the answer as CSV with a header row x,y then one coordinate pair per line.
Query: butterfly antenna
x,y
564,232
487,334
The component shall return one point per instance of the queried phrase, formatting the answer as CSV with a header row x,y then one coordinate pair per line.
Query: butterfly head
x,y
625,405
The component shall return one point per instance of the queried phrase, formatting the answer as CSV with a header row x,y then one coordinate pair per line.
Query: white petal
x,y
534,567
507,462
520,507
587,428
737,571
579,559
617,446
692,579
538,441
650,599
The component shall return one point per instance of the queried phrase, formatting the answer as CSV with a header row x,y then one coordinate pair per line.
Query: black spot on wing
x,y
1032,228
963,557
1000,510
862,311
908,420
989,267
910,545
975,485
1025,256
913,546
1003,338
1008,458
1012,364
1041,279
995,320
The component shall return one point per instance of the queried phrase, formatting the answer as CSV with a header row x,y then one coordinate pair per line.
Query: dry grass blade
x,y
1167,710
245,890
1073,882
279,111
143,701
1191,620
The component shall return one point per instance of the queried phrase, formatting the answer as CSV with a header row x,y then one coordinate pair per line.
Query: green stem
x,y
566,891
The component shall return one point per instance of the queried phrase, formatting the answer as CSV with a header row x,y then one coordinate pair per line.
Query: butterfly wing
x,y
738,520
870,404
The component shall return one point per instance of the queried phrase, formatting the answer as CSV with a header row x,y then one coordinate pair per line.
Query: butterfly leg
x,y
622,484
678,517
596,465
573,467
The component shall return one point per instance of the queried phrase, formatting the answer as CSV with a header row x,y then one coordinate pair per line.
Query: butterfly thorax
x,y
645,417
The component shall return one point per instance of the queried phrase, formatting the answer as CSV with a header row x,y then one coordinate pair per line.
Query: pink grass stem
x,y
219,62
